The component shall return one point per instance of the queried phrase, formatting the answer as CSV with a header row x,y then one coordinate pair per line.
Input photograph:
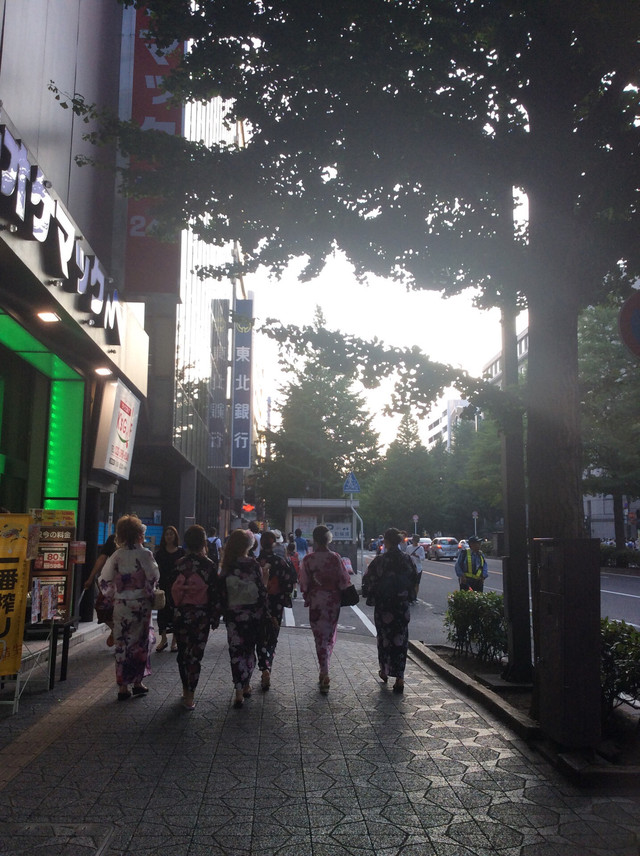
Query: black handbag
x,y
349,596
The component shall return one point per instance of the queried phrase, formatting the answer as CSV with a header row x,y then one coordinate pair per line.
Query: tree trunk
x,y
554,458
515,564
618,521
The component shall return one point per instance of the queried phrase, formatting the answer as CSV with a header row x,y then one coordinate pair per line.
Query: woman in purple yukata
x,y
128,578
243,601
322,578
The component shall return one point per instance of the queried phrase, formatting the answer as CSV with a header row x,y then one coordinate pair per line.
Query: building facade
x,y
73,352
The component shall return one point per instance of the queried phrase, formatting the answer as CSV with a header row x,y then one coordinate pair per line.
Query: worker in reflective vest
x,y
471,566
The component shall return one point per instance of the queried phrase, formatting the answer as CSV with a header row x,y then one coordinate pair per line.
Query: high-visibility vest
x,y
478,572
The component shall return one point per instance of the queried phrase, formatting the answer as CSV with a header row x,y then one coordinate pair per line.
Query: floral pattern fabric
x,y
322,578
280,578
391,581
195,594
245,609
191,629
128,579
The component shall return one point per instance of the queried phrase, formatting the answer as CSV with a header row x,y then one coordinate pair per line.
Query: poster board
x,y
51,581
15,531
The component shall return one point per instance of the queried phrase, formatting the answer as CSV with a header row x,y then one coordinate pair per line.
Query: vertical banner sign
x,y
151,266
218,405
14,584
241,379
116,430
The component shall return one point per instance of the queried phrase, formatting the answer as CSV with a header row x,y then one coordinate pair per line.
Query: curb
x,y
578,766
524,726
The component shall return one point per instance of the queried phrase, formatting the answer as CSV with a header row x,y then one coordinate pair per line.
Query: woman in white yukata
x,y
128,578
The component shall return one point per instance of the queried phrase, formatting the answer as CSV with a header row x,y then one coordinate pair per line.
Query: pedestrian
x,y
243,600
214,546
415,551
279,548
390,584
292,555
471,566
167,556
255,529
103,606
279,576
302,545
195,595
322,578
129,578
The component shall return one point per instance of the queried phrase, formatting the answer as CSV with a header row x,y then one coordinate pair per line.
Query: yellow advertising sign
x,y
14,584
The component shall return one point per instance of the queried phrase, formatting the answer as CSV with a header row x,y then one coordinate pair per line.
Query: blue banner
x,y
241,397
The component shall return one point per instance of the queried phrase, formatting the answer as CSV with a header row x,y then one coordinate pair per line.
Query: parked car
x,y
443,548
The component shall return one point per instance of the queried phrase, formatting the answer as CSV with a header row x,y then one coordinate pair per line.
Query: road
x,y
620,599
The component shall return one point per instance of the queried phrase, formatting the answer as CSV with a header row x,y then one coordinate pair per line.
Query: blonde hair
x,y
129,530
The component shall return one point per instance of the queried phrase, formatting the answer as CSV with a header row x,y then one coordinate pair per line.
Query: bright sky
x,y
383,309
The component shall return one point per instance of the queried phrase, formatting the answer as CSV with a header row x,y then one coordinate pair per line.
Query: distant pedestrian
x,y
214,546
415,551
279,576
243,599
322,578
302,545
471,566
103,605
255,529
129,578
279,547
195,595
390,583
292,555
167,556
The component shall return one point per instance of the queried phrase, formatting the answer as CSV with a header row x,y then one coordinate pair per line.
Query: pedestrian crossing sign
x,y
351,484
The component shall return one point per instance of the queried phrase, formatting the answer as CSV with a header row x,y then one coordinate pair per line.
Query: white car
x,y
443,548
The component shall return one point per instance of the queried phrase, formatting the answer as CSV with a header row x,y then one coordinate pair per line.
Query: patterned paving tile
x,y
293,773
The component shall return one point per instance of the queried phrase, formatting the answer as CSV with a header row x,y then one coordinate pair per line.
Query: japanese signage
x,y
117,430
241,385
341,531
14,581
35,215
218,408
151,265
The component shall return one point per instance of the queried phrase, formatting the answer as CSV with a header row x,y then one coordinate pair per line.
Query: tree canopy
x,y
324,433
398,132
609,395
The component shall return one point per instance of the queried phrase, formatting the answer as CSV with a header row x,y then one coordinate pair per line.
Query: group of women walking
x,y
250,594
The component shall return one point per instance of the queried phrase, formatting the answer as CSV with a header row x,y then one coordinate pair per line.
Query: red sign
x,y
629,323
151,266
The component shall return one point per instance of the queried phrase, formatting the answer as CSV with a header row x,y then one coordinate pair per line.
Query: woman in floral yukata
x,y
243,601
279,577
128,578
195,595
391,583
322,578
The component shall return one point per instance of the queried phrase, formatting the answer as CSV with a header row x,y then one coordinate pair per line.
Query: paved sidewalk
x,y
294,773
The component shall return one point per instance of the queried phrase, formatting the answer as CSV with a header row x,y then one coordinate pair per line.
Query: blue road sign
x,y
351,484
